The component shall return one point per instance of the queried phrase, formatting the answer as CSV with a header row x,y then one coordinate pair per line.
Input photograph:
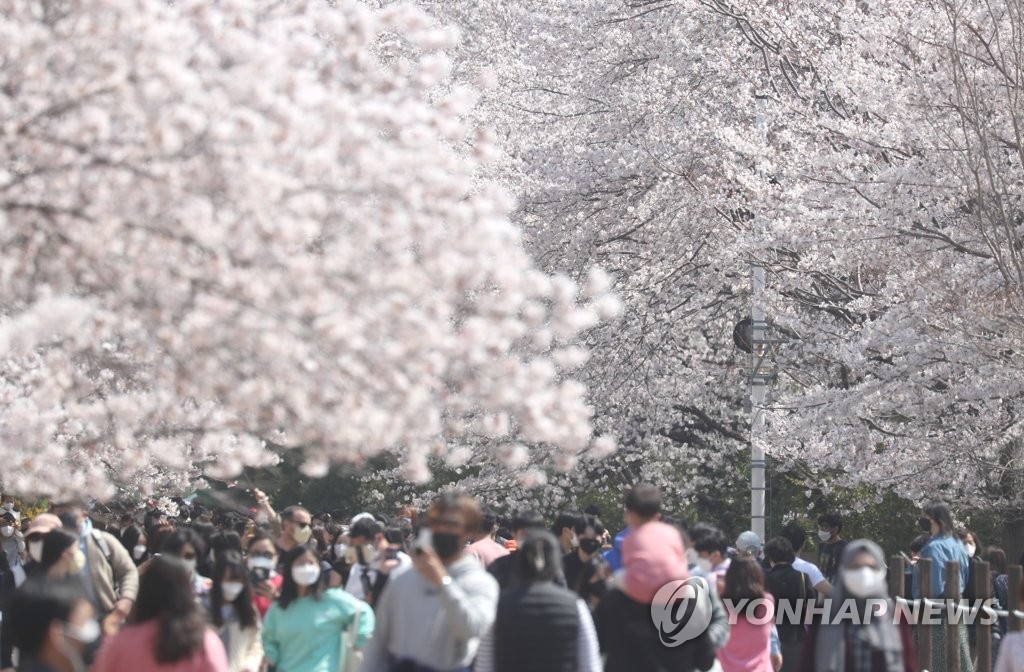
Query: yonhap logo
x,y
681,610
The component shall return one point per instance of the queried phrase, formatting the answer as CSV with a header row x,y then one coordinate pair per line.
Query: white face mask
x,y
138,552
339,551
231,590
704,565
864,582
260,563
35,550
824,535
191,564
86,633
971,550
7,530
306,575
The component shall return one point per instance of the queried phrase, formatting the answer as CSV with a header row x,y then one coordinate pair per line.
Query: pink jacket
x,y
134,650
748,649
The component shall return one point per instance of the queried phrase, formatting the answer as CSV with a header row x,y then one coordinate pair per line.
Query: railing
x,y
955,610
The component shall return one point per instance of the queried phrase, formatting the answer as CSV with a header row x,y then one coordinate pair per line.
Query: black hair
x,y
177,540
365,527
527,520
968,532
130,537
563,520
593,510
539,558
234,561
55,543
708,539
588,521
794,531
918,542
394,536
644,500
225,540
38,603
488,520
830,520
996,557
940,513
779,550
165,595
290,589
258,535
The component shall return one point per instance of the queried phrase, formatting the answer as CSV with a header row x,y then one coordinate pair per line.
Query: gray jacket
x,y
437,627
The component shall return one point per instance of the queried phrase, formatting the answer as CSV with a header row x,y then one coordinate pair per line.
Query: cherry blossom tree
x,y
867,153
227,227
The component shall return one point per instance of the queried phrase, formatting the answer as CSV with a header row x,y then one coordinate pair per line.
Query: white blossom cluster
x,y
230,225
869,154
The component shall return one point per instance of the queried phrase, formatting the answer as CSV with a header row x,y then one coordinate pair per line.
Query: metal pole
x,y
758,379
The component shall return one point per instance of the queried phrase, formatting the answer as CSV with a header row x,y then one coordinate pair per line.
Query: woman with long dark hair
x,y
302,631
748,648
942,548
233,614
540,626
133,538
167,629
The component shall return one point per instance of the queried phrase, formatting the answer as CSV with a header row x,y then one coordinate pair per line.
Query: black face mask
x,y
925,523
446,544
590,546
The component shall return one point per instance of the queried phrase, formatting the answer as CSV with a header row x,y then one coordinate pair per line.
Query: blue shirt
x,y
614,554
942,550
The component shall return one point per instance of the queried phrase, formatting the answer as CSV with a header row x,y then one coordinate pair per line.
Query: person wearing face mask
x,y
942,548
577,563
54,626
133,538
484,548
233,614
373,558
303,629
296,529
188,546
830,551
712,548
11,539
433,618
871,641
166,631
109,576
341,568
37,531
261,561
61,557
564,530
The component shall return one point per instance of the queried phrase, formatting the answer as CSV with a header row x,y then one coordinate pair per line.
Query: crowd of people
x,y
455,587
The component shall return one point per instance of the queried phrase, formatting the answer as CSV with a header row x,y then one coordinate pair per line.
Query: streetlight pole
x,y
759,377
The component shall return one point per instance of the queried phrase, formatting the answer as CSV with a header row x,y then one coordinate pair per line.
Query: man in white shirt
x,y
374,558
796,536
